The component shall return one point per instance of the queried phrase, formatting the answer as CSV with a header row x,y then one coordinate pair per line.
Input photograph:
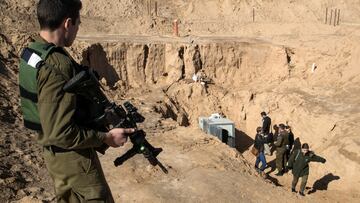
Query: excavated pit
x,y
247,77
170,66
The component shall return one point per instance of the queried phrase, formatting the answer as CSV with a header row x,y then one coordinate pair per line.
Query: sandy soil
x,y
257,66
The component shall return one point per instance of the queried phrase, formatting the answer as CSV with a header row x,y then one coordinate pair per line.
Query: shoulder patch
x,y
31,57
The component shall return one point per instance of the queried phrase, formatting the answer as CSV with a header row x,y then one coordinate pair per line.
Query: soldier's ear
x,y
67,23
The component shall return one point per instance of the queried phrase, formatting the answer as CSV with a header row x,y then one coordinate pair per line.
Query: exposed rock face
x,y
227,64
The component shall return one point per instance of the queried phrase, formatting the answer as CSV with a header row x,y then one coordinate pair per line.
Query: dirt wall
x,y
246,78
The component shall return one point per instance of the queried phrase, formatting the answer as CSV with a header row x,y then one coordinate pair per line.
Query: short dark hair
x,y
305,146
51,13
258,129
263,113
282,126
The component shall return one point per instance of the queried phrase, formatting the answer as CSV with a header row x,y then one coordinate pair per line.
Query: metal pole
x,y
326,13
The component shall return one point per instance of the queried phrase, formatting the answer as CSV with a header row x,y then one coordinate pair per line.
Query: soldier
x,y
61,117
299,162
274,138
281,142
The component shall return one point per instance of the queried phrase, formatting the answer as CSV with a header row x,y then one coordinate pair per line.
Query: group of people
x,y
287,157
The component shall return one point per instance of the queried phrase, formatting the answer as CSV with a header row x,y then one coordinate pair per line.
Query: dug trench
x,y
246,77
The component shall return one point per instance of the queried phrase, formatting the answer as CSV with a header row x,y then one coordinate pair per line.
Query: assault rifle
x,y
114,116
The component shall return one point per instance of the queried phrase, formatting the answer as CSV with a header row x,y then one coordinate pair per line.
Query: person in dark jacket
x,y
259,145
266,123
291,142
299,162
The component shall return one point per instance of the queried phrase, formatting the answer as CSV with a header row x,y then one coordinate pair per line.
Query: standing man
x,y
266,123
299,162
281,142
291,141
259,145
62,119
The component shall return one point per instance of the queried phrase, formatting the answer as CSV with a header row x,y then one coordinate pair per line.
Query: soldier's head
x,y
276,128
60,18
281,127
305,148
258,129
263,114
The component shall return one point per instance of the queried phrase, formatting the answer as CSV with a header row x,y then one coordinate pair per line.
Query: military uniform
x,y
281,147
299,163
68,143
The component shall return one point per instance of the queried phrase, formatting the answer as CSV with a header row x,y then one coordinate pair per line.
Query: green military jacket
x,y
282,141
57,108
299,162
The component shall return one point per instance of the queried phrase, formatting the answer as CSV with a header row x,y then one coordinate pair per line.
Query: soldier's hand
x,y
117,137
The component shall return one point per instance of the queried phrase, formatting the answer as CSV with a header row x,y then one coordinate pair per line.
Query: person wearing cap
x,y
281,142
299,162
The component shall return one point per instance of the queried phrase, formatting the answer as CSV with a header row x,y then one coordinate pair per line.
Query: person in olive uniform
x,y
281,146
299,162
69,153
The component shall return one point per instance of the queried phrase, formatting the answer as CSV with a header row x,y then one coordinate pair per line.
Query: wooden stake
x,y
156,8
326,13
338,19
176,27
253,14
335,17
150,2
148,6
331,14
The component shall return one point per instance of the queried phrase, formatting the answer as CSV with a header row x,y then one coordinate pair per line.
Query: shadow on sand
x,y
323,183
242,141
